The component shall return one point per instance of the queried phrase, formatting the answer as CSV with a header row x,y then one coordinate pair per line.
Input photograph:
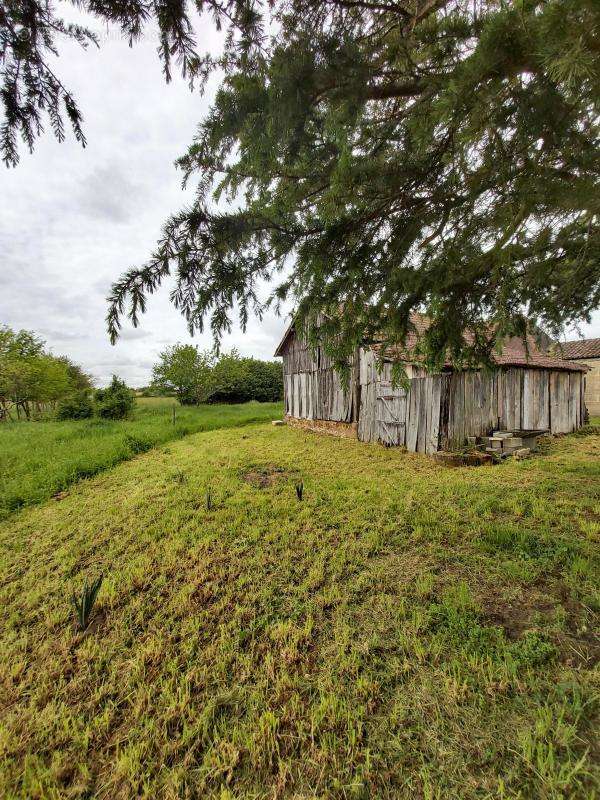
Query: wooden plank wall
x,y
440,411
437,411
397,416
513,398
472,407
312,387
391,413
371,382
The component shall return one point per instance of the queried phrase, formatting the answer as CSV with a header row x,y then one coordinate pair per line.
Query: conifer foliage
x,y
385,157
31,89
379,157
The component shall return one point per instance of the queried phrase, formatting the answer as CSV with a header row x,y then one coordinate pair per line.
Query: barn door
x,y
391,413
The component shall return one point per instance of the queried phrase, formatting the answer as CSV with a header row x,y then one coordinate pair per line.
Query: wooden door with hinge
x,y
391,414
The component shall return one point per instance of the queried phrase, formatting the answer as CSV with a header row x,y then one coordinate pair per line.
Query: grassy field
x,y
40,459
404,631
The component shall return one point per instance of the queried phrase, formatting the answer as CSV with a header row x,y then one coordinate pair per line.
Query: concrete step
x,y
513,441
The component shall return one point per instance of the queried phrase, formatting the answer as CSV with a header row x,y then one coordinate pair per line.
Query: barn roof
x,y
286,335
514,353
582,348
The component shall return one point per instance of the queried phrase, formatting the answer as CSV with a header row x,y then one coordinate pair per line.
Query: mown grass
x,y
404,631
40,459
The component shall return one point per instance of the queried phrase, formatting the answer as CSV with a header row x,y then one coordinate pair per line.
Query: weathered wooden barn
x,y
528,390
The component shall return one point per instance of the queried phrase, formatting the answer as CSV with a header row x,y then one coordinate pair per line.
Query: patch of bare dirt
x,y
345,430
263,477
517,615
578,644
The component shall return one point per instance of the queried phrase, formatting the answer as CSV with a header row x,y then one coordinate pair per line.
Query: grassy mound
x,y
403,631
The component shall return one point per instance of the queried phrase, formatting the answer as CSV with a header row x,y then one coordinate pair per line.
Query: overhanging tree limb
x,y
372,153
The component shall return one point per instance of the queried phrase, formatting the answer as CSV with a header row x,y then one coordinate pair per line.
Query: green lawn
x,y
405,631
40,459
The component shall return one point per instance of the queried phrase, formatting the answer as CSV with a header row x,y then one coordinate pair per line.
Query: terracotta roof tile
x,y
513,354
582,348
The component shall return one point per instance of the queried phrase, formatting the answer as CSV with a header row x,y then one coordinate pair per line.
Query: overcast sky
x,y
72,220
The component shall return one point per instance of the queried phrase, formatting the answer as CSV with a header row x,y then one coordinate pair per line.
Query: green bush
x,y
76,406
137,444
183,371
196,376
237,380
116,401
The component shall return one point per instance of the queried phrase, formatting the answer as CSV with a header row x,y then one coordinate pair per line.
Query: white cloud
x,y
73,219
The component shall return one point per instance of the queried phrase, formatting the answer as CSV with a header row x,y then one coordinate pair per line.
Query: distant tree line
x,y
34,382
31,378
199,376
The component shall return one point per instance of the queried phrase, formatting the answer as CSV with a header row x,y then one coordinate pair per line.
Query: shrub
x,y
183,371
137,444
237,380
196,376
76,406
116,401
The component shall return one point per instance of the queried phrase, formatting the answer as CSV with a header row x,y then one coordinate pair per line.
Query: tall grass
x,y
40,459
